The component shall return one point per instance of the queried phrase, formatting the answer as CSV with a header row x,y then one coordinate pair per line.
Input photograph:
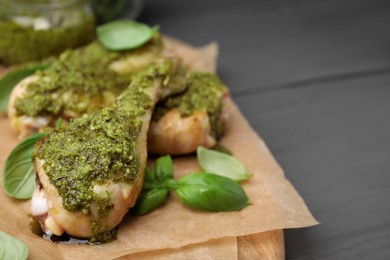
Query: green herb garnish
x,y
123,35
205,191
19,174
164,168
150,200
12,248
211,192
157,183
11,79
222,164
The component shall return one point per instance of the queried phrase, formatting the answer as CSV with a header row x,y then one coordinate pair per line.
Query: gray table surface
x,y
313,78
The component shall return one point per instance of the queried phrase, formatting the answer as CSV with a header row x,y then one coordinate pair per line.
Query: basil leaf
x,y
11,79
222,164
124,34
211,192
150,200
12,248
164,168
18,174
149,175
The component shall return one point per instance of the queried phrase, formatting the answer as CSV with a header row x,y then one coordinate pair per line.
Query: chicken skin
x,y
190,119
91,172
77,82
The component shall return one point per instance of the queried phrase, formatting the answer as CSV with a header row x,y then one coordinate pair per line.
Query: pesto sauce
x,y
21,44
103,237
77,81
90,151
204,92
100,148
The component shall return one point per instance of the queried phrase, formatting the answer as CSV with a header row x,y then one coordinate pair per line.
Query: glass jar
x,y
36,29
108,10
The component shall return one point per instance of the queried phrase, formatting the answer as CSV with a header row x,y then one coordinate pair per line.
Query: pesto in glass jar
x,y
35,29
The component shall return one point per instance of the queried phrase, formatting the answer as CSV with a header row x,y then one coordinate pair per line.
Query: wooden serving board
x,y
266,245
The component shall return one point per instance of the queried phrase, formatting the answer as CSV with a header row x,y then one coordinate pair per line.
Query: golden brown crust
x,y
174,134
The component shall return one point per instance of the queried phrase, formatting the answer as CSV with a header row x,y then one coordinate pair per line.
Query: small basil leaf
x,y
150,200
18,174
211,192
170,184
149,175
124,34
222,164
11,79
164,168
12,248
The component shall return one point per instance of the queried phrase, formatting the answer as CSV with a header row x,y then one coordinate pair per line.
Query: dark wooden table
x,y
313,78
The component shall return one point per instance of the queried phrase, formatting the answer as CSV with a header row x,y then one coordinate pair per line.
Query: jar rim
x,y
52,5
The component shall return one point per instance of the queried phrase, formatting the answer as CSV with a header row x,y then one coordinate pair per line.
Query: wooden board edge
x,y
265,245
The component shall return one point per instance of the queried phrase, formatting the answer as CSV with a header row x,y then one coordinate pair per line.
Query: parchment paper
x,y
175,231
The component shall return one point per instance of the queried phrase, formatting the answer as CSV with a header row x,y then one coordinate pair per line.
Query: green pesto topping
x,y
20,43
103,237
90,151
204,92
101,147
77,81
